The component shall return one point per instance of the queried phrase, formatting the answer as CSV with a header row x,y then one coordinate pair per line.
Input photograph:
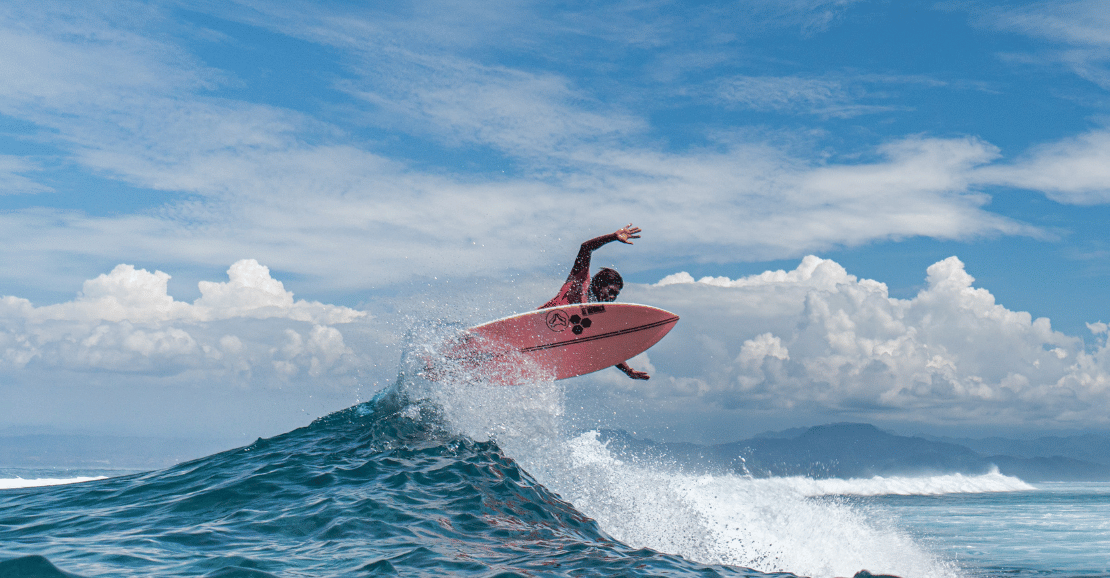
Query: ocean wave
x,y
380,488
448,477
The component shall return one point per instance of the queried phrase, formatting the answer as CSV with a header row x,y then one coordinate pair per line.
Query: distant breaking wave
x,y
901,486
15,483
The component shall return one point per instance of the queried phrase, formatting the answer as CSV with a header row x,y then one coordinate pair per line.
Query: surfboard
x,y
553,343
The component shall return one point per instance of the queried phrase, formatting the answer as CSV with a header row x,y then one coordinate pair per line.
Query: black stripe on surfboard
x,y
599,336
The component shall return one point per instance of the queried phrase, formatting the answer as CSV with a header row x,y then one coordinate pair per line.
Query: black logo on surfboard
x,y
560,321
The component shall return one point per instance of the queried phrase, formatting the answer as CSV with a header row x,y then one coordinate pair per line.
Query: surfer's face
x,y
608,292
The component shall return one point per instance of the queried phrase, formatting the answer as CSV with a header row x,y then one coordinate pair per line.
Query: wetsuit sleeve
x,y
576,285
581,268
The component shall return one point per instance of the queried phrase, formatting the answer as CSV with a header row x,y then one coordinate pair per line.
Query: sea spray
x,y
734,520
464,399
770,525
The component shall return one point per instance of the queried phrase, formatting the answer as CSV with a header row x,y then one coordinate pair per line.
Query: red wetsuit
x,y
573,291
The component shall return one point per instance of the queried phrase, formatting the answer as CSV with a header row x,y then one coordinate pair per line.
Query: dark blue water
x,y
380,489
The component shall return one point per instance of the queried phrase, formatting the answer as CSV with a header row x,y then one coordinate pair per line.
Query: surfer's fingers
x,y
626,233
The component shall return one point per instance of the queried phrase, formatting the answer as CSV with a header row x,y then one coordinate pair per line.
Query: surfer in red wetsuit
x,y
603,287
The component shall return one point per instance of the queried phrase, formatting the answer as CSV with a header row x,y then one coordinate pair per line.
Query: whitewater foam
x,y
902,486
806,526
468,404
799,525
770,525
16,483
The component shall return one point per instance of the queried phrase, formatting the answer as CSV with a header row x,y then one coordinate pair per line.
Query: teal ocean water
x,y
469,480
1054,529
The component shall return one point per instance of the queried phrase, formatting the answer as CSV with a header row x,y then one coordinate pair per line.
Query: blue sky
x,y
391,161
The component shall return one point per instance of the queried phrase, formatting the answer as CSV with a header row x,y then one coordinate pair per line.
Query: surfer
x,y
603,287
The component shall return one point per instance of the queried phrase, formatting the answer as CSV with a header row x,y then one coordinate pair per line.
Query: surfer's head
x,y
606,285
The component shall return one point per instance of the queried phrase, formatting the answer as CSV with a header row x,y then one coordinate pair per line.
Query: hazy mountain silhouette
x,y
1086,447
853,450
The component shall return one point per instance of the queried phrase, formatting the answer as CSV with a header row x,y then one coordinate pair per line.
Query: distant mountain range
x,y
844,450
853,450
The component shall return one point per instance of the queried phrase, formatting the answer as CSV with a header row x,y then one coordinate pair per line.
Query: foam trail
x,y
777,525
16,483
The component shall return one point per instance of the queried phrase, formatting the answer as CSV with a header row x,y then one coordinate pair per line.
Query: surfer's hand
x,y
629,232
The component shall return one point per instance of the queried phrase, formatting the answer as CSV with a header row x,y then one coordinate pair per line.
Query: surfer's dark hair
x,y
606,276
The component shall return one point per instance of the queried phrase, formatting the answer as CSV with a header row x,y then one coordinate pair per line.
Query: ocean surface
x,y
463,479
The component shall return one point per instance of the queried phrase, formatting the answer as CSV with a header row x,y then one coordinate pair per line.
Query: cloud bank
x,y
818,338
126,322
815,340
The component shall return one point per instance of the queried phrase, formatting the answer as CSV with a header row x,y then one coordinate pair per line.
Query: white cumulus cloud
x,y
125,321
813,341
821,339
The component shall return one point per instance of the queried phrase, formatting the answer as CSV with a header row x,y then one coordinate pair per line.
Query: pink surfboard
x,y
554,343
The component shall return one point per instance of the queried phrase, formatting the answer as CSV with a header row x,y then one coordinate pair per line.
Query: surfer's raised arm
x,y
603,287
606,285
582,262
